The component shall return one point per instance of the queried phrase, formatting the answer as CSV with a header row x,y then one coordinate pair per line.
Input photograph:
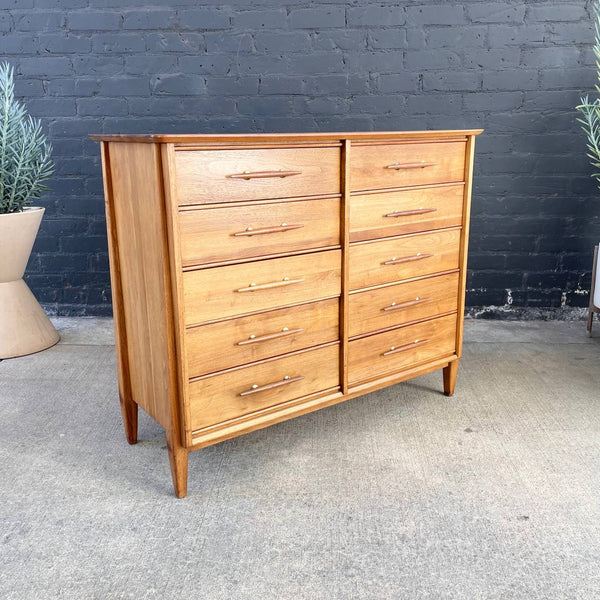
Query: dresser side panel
x,y
464,246
140,228
115,281
180,414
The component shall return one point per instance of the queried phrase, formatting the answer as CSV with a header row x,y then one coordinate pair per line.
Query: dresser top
x,y
192,138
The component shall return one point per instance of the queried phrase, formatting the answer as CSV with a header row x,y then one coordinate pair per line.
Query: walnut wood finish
x,y
243,340
401,303
215,293
394,259
224,396
235,232
295,408
265,139
249,278
129,409
400,348
450,377
178,439
399,212
345,316
393,165
141,270
210,176
464,242
138,220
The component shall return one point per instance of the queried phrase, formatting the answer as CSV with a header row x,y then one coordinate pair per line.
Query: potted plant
x,y
590,123
25,165
590,111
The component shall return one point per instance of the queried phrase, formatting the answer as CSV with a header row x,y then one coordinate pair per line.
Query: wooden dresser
x,y
256,278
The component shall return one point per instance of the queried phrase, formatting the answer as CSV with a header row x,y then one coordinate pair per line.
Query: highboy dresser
x,y
259,277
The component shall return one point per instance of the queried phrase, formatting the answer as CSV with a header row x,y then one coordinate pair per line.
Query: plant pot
x,y
24,326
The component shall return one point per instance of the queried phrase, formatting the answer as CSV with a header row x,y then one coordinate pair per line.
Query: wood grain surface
x,y
417,343
221,234
371,166
205,177
405,211
393,305
439,250
242,340
215,293
217,398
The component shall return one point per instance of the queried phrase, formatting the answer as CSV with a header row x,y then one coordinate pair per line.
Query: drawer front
x,y
238,289
226,344
221,234
402,303
395,213
395,259
398,165
401,348
224,396
210,176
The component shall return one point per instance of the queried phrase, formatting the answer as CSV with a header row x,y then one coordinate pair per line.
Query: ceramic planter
x,y
24,326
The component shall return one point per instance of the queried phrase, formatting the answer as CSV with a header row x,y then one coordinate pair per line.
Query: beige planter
x,y
24,326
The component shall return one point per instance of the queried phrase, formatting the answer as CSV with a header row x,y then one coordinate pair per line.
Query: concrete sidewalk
x,y
402,494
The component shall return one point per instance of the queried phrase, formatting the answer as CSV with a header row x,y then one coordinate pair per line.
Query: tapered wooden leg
x,y
450,377
178,458
590,322
129,411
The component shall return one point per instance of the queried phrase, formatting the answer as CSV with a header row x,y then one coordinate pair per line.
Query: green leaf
x,y
25,162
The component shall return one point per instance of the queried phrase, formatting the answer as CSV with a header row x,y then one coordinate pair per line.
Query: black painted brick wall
x,y
514,68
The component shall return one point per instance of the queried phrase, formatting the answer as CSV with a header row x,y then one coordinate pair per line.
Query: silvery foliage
x,y
24,152
590,111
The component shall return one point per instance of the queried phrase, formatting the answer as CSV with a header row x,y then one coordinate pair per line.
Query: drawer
x,y
398,165
408,211
401,348
210,176
395,259
248,339
223,292
221,234
224,396
402,303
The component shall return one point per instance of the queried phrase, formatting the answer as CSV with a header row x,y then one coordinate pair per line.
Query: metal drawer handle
x,y
414,165
276,229
408,213
263,174
397,261
395,306
253,287
263,388
270,336
415,344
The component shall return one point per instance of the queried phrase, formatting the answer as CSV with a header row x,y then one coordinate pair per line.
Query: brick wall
x,y
514,68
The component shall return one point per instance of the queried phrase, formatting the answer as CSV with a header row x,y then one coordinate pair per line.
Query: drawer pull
x,y
408,213
397,261
415,165
263,174
263,230
269,386
253,287
415,344
394,305
271,336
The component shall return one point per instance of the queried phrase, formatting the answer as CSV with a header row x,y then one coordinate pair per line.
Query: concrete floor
x,y
403,494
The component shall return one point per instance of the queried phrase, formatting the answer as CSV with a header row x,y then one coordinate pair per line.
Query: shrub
x,y
590,111
25,162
